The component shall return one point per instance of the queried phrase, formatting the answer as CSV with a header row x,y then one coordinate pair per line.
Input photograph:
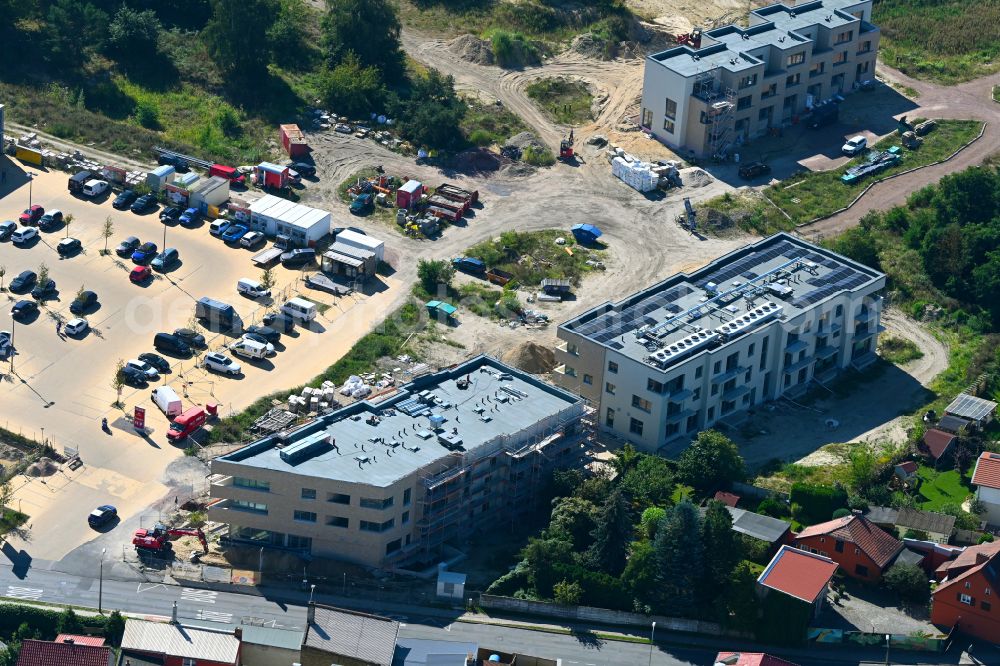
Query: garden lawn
x,y
940,488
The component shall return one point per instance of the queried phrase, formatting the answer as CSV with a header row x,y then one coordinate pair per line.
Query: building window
x,y
748,81
865,47
765,113
965,599
715,389
308,493
252,507
609,388
839,311
817,69
380,504
612,367
337,521
751,349
642,403
840,58
793,80
711,414
654,386
406,518
844,37
770,91
609,418
985,605
863,68
252,484
187,661
796,58
744,102
671,109
338,498
839,546
299,542
588,379
305,516
571,349
371,526
647,117
696,394
570,372
635,427
406,496
668,126
861,570
968,585
717,367
697,373
393,546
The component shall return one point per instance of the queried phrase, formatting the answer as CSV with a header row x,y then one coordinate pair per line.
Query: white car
x,y
249,337
252,238
854,145
75,326
24,235
143,367
343,128
95,188
219,363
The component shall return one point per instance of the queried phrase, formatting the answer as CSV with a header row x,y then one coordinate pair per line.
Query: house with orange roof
x,y
966,591
861,548
799,574
749,659
986,478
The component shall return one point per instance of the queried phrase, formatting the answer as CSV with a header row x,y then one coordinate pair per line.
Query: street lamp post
x,y
345,583
260,565
312,588
100,584
887,637
31,178
652,642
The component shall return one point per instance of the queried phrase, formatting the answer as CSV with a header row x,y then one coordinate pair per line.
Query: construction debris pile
x,y
642,176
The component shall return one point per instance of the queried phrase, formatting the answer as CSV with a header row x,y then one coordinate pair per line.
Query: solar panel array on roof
x,y
753,259
970,407
614,324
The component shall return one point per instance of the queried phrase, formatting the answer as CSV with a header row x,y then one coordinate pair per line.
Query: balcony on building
x,y
796,345
726,375
803,362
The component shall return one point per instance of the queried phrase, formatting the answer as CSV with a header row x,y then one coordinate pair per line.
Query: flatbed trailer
x,y
268,257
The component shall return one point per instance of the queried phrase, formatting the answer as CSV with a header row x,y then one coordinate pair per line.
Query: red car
x,y
140,274
32,215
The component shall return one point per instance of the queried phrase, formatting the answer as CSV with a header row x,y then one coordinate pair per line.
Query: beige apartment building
x,y
763,322
736,84
389,481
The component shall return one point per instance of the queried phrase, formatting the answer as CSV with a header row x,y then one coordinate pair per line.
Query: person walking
x,y
59,328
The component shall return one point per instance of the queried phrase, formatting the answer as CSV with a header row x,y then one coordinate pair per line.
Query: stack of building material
x,y
636,174
356,388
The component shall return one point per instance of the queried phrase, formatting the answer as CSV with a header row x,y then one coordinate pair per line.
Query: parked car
x,y
362,203
190,337
189,217
83,302
299,257
32,215
44,290
161,364
144,253
102,515
854,146
24,281
219,227
251,288
133,377
260,339
143,204
169,342
234,233
170,214
253,240
279,322
178,163
752,170
50,220
146,369
7,227
265,333
95,188
76,326
307,170
23,309
140,274
24,235
68,246
343,128
127,246
166,259
218,363
125,199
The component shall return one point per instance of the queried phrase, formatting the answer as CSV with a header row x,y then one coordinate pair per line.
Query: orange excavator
x,y
566,153
158,538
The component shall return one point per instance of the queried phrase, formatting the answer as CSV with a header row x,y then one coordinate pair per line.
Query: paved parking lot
x,y
62,386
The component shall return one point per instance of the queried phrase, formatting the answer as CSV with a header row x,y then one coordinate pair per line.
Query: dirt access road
x,y
968,100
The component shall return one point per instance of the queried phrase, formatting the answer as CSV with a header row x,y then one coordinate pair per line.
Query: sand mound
x,y
531,357
590,45
525,139
44,467
472,49
695,177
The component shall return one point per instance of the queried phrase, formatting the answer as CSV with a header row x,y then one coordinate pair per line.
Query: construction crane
x,y
566,148
158,538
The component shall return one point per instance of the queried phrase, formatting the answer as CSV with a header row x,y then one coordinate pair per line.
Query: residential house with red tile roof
x,y
79,639
936,444
986,478
799,574
861,548
749,659
906,471
51,653
966,595
729,499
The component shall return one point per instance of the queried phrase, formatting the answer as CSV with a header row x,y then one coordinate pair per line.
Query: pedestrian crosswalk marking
x,y
201,596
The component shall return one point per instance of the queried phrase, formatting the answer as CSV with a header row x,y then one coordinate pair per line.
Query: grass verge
x,y
533,256
566,101
487,124
813,194
745,212
898,350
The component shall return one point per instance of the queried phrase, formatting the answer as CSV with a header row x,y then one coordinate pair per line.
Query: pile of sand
x,y
525,139
472,49
695,177
531,357
590,45
476,160
44,467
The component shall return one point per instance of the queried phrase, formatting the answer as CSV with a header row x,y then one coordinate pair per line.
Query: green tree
x,y
369,28
107,231
267,278
542,557
573,519
908,581
67,220
861,459
114,628
679,558
741,602
640,576
43,274
711,462
118,381
234,25
723,550
286,37
73,29
649,481
435,276
431,114
566,592
69,623
611,535
352,88
624,458
650,520
133,35
3,273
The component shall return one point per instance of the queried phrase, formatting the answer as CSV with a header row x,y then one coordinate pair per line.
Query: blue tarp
x,y
586,231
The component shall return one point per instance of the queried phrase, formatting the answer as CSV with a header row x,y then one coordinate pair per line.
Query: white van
x,y
300,309
252,288
167,400
95,188
249,349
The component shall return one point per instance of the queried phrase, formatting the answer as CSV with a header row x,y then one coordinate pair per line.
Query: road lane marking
x,y
24,592
150,586
201,596
213,616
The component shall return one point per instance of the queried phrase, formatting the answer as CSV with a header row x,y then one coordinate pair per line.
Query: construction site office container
x,y
293,141
160,176
275,216
350,261
409,194
212,192
362,241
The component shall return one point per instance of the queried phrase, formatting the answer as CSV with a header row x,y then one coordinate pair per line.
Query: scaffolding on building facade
x,y
721,103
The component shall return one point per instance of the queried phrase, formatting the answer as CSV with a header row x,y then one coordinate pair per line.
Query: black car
x,y
83,302
143,203
127,246
68,246
161,364
44,290
266,332
171,343
7,227
124,200
23,282
133,376
300,257
102,515
24,309
191,338
170,214
754,169
307,170
279,322
178,163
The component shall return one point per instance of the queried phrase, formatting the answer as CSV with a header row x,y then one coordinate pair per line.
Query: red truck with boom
x,y
158,538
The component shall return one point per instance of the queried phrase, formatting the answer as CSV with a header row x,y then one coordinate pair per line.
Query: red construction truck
x,y
186,423
229,173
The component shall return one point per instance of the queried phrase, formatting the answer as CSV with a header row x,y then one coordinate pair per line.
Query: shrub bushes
x,y
816,504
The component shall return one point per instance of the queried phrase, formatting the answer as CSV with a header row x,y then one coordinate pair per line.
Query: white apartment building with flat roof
x,y
759,323
738,83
